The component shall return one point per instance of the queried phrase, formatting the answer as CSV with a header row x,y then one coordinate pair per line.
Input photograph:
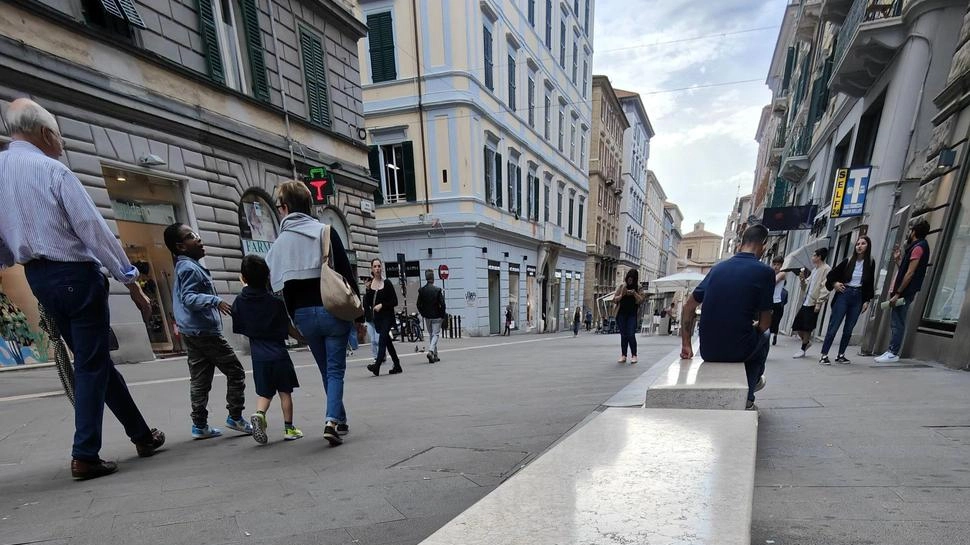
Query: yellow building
x,y
699,249
478,118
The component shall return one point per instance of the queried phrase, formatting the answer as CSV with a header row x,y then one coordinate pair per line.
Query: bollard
x,y
459,327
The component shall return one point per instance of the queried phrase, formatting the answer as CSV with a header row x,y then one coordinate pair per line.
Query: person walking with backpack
x,y
431,305
853,282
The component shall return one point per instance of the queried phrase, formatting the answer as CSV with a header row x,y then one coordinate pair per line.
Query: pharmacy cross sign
x,y
851,187
320,184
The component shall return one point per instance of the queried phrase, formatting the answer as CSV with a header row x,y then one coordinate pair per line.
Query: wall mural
x,y
20,344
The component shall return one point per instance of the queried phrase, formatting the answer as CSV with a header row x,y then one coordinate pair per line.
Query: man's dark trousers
x,y
754,365
75,295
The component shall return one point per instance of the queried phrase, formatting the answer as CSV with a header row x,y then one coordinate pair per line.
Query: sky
x,y
704,146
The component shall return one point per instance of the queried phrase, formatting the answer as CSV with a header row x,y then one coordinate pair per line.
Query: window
x,y
559,206
532,100
582,149
585,76
393,166
512,81
548,121
315,76
487,45
545,202
549,25
515,185
380,35
572,139
690,252
113,17
586,19
234,45
572,204
532,12
575,60
576,8
562,44
532,195
562,125
952,282
579,227
493,177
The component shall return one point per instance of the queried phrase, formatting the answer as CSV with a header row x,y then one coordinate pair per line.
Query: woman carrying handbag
x,y
322,310
381,292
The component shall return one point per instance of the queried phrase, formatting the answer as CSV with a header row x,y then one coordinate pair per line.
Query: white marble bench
x,y
696,384
644,476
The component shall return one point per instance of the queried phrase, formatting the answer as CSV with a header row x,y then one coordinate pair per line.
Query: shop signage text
x,y
849,195
494,265
530,270
256,247
514,268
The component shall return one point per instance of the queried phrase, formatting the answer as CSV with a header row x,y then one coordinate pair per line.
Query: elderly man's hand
x,y
139,298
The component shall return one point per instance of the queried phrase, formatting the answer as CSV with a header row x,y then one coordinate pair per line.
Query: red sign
x,y
318,190
443,272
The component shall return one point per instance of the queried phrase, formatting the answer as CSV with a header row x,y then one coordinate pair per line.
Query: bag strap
x,y
325,245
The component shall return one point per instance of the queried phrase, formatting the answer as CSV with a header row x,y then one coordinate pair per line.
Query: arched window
x,y
258,222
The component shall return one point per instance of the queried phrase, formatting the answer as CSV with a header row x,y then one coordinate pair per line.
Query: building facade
x,y
193,112
700,249
652,262
634,218
670,246
604,248
479,124
738,220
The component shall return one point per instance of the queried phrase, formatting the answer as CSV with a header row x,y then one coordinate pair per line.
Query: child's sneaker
x,y
258,421
205,433
239,425
292,434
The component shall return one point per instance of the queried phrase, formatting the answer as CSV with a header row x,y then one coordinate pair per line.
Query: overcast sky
x,y
704,146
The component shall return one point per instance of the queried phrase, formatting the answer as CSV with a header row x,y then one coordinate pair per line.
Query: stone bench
x,y
644,476
696,384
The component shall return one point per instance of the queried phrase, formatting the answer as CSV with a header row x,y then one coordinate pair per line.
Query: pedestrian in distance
x,y
384,298
576,321
51,226
368,303
628,298
589,320
431,305
852,283
815,296
779,298
508,320
295,264
734,293
197,311
910,273
261,316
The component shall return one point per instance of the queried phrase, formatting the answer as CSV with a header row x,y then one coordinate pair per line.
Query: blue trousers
x,y
846,306
897,325
628,333
327,337
76,297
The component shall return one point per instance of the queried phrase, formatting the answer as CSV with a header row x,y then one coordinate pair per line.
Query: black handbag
x,y
112,340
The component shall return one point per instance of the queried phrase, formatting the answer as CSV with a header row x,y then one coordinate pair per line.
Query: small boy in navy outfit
x,y
261,316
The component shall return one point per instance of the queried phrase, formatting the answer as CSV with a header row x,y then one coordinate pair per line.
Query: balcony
x,y
611,251
779,104
794,160
834,11
872,32
808,18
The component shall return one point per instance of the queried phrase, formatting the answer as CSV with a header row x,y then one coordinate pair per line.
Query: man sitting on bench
x,y
734,293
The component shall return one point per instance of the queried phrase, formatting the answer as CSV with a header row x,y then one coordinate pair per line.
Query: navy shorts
x,y
274,376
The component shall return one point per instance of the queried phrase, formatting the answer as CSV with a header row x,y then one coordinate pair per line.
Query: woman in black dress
x,y
628,298
380,294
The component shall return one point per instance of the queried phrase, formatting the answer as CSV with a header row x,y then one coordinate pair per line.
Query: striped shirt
x,y
47,214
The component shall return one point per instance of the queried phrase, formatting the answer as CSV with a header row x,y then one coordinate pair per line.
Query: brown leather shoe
x,y
148,448
83,470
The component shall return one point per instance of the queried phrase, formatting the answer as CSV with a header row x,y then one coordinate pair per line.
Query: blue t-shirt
x,y
261,316
733,293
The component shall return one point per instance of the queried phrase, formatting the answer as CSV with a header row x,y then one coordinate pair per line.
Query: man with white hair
x,y
51,226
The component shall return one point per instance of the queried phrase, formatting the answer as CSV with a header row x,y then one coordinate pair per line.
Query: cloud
x,y
704,148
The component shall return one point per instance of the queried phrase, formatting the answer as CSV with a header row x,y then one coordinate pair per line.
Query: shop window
x,y
949,291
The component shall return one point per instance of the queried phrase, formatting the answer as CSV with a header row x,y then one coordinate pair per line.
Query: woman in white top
x,y
853,283
779,298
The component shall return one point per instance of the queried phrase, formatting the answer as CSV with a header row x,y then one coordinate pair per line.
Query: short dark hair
x,y
172,238
822,253
754,234
921,228
429,275
778,259
255,271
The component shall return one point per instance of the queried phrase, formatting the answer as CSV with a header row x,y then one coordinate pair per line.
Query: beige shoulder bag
x,y
338,295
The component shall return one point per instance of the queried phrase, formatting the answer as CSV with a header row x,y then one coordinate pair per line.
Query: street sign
x,y
320,184
401,267
849,195
443,272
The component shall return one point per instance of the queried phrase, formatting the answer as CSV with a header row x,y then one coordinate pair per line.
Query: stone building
x,y
193,111
700,249
636,221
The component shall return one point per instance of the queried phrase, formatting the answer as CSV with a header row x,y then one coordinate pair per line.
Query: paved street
x,y
423,447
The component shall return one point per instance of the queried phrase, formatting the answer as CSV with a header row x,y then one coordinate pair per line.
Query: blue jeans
x,y
897,325
848,306
628,333
352,338
327,336
76,297
754,365
433,325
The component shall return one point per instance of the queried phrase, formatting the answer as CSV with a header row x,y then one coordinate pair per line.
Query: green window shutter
x,y
410,185
498,180
789,65
518,191
511,191
488,181
315,74
374,158
207,28
381,37
254,43
535,198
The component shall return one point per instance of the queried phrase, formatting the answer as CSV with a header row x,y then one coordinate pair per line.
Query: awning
x,y
802,257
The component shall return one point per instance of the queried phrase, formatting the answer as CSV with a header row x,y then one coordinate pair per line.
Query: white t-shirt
x,y
780,285
808,288
856,281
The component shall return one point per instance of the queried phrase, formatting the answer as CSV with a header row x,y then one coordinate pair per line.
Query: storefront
x,y
514,269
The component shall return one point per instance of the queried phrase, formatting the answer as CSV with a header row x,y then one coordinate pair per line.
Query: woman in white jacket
x,y
815,296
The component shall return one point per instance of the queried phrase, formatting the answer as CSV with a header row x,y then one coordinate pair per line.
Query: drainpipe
x,y
424,142
279,74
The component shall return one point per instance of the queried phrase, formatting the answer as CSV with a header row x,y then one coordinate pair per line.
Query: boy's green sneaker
x,y
258,421
292,434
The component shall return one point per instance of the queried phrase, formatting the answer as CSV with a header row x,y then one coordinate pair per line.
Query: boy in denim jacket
x,y
196,307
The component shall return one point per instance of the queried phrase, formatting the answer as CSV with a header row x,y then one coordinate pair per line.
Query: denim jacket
x,y
194,299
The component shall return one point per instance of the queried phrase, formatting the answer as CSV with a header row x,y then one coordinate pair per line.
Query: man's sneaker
x,y
750,406
888,357
258,421
842,359
824,360
343,429
760,385
430,357
799,354
239,425
205,433
331,435
292,434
